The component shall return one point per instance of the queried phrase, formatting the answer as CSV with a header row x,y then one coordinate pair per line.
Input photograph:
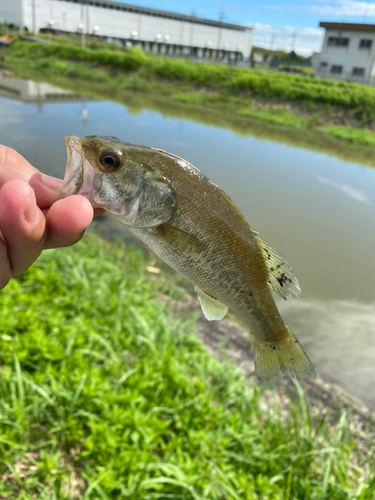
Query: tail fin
x,y
273,360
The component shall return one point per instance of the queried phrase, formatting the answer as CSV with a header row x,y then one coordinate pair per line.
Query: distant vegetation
x,y
215,77
105,393
291,56
289,100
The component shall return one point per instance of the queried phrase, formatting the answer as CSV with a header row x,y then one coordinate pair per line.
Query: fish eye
x,y
109,161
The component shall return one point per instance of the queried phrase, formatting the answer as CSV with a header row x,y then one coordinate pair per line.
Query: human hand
x,y
31,216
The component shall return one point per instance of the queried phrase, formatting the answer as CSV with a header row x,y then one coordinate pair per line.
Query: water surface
x,y
315,209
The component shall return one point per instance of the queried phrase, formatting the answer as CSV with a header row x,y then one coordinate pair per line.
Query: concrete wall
x,y
119,24
11,11
348,57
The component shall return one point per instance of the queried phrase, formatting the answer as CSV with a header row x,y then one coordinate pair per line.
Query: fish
x,y
192,225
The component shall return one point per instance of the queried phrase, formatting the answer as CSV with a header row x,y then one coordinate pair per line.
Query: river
x,y
317,210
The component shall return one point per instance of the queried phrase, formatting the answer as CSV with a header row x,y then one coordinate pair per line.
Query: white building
x,y
348,52
156,30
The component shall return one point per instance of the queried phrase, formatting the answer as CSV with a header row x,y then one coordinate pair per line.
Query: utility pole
x,y
87,18
366,11
272,43
219,40
191,33
33,16
294,36
83,35
83,24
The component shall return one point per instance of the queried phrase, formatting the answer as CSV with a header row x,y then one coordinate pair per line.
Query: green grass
x,y
351,135
217,77
276,116
105,393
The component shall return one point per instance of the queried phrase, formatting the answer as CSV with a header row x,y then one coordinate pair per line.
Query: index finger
x,y
15,166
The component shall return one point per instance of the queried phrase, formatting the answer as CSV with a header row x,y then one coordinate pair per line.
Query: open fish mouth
x,y
78,172
73,178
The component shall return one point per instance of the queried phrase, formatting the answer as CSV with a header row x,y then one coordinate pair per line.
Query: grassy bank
x,y
105,392
343,111
137,102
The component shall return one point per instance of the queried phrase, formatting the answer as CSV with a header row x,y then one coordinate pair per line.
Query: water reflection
x,y
137,102
347,190
315,209
29,91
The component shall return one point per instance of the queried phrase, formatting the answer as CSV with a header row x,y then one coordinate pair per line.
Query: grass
x,y
351,135
284,100
105,393
276,116
216,77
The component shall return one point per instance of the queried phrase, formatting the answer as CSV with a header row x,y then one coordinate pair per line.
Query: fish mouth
x,y
78,178
73,178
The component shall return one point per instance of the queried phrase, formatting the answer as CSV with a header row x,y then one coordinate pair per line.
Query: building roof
x,y
136,9
348,26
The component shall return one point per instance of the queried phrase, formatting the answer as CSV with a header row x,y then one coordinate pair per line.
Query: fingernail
x,y
31,212
52,182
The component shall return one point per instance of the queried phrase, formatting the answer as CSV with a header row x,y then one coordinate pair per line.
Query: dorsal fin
x,y
280,274
234,207
175,156
212,309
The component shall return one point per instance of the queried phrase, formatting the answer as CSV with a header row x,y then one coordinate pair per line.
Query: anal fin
x,y
212,309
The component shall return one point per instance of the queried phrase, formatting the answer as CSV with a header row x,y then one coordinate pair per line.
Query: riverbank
x,y
107,392
136,102
336,110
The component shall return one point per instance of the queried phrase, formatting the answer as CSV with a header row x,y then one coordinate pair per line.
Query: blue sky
x,y
276,20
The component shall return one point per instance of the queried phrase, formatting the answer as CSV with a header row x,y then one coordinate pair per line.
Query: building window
x,y
336,69
338,41
365,43
358,72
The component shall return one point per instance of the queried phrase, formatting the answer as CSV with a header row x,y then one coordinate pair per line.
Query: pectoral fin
x,y
212,309
280,274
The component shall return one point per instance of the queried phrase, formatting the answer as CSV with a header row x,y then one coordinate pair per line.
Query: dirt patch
x,y
25,474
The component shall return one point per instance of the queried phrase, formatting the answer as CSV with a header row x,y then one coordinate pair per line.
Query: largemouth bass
x,y
193,226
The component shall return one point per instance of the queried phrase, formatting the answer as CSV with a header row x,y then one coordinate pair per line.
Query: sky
x,y
284,24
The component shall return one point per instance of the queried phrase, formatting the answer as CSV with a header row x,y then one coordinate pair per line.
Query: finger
x,y
47,189
22,225
15,166
67,220
5,271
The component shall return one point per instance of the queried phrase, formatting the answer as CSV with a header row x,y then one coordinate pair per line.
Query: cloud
x,y
347,190
339,8
304,41
345,8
